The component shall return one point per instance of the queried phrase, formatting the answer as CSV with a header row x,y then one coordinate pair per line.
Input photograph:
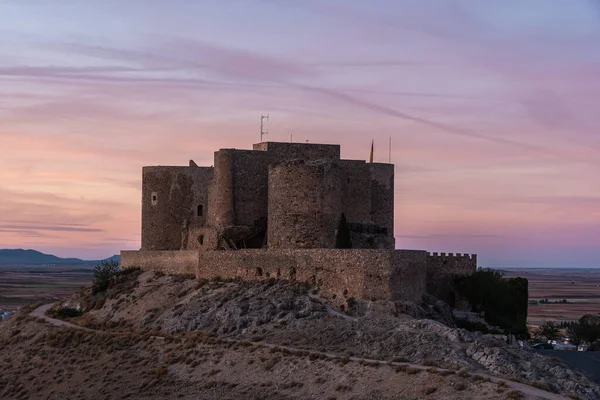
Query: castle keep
x,y
274,211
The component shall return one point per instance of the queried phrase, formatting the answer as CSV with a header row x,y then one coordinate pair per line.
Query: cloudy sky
x,y
492,107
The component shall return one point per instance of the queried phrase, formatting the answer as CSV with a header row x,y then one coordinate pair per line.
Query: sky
x,y
492,108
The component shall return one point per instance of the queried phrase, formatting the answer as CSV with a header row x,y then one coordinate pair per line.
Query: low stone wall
x,y
173,262
340,274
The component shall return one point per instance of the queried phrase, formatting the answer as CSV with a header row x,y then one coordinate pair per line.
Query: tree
x,y
103,273
574,335
504,301
342,238
548,331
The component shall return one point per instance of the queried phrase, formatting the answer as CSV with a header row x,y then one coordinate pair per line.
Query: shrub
x,y
513,395
463,373
460,386
65,312
430,389
103,274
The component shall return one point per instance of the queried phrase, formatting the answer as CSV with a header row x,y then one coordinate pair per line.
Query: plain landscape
x,y
579,287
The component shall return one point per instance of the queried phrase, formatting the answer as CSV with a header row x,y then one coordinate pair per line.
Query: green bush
x,y
103,274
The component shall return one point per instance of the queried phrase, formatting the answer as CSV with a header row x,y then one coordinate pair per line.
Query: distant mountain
x,y
34,257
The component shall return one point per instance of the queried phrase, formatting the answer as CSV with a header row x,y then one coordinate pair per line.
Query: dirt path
x,y
529,392
41,311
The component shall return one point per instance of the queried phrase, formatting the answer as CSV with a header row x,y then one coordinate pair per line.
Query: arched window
x,y
200,210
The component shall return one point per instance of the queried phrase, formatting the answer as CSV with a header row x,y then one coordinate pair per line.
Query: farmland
x,y
579,287
21,285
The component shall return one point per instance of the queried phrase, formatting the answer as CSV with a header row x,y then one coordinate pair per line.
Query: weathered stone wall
x,y
220,195
356,190
171,197
250,182
340,274
173,262
304,204
203,238
283,151
441,268
382,197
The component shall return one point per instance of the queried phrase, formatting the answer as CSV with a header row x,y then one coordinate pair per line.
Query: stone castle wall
x,y
304,204
171,197
356,190
382,196
299,206
279,151
172,262
441,268
340,274
250,181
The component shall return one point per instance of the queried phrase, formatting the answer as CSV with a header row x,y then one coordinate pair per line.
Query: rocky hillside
x,y
271,339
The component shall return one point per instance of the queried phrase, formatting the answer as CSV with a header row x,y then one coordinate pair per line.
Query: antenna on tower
x,y
263,132
390,157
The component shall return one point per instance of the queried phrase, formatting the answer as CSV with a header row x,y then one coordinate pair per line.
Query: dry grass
x,y
514,395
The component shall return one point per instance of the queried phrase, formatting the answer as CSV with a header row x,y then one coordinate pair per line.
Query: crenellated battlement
x,y
467,256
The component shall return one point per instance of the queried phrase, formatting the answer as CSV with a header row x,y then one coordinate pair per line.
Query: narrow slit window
x,y
200,210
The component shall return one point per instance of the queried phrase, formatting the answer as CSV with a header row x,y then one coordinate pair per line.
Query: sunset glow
x,y
492,108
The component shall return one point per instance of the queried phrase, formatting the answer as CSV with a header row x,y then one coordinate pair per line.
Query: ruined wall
x,y
440,270
382,197
171,262
282,151
173,198
304,204
340,274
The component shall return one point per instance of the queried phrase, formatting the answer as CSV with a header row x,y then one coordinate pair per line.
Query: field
x,y
579,287
21,285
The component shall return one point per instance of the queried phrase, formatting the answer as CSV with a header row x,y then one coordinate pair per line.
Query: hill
x,y
34,257
156,336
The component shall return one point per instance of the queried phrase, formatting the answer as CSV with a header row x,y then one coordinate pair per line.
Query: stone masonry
x,y
273,212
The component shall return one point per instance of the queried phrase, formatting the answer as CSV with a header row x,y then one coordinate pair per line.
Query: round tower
x,y
304,204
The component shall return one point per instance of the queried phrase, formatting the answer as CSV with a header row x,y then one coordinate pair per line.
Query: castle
x,y
274,211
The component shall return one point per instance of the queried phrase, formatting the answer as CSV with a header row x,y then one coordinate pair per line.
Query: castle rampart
x,y
442,268
339,274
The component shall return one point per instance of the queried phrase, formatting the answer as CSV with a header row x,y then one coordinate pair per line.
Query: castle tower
x,y
304,204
